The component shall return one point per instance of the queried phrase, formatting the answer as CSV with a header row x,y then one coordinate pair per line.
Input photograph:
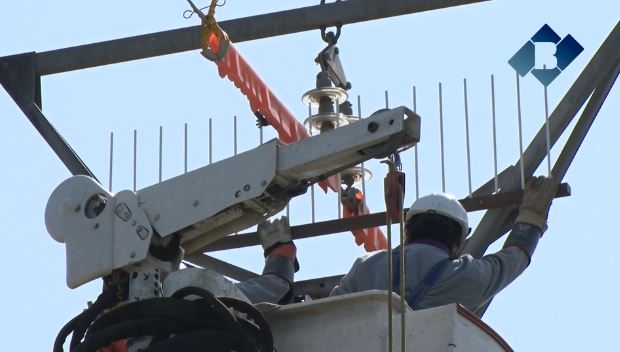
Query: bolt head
x,y
373,127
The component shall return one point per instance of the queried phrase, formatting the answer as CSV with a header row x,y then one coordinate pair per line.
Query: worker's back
x,y
465,280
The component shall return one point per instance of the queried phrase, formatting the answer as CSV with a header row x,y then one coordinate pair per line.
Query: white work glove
x,y
274,233
537,198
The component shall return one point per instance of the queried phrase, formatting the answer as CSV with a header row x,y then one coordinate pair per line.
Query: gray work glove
x,y
274,233
537,198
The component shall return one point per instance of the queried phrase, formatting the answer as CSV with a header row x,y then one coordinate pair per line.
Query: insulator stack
x,y
333,111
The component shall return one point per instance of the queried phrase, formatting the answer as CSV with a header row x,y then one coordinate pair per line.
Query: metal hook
x,y
394,162
390,164
330,37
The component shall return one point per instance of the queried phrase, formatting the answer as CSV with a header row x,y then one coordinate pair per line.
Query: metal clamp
x,y
214,40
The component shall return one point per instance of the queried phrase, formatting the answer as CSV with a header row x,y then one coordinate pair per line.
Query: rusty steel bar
x,y
498,200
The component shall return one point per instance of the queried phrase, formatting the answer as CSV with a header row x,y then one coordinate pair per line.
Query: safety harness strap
x,y
414,296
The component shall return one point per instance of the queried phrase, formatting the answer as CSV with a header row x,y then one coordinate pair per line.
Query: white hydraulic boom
x,y
104,231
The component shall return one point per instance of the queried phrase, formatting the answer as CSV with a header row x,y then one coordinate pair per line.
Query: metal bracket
x,y
18,76
329,61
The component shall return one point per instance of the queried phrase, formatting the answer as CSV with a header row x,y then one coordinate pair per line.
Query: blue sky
x,y
565,301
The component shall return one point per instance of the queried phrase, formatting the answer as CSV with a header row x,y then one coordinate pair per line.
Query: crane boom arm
x,y
104,232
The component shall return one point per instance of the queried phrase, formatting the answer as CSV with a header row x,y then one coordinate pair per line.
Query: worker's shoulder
x,y
465,261
417,251
375,255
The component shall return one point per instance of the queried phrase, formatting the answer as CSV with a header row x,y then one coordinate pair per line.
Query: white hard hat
x,y
442,204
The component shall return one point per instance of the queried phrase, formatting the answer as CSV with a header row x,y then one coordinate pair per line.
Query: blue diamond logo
x,y
524,61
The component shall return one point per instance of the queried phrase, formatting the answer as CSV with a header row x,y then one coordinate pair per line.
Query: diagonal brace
x,y
598,73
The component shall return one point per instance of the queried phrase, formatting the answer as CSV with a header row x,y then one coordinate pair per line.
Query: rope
x,y
187,14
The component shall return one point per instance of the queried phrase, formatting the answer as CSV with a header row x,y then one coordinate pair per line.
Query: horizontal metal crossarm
x,y
20,74
239,30
321,287
498,200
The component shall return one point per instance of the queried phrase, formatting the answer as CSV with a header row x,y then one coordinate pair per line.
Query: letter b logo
x,y
545,56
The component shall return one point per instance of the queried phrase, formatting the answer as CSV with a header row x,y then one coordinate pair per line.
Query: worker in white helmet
x,y
436,227
276,282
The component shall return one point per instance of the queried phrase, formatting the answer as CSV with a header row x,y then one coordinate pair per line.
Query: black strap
x,y
78,325
413,297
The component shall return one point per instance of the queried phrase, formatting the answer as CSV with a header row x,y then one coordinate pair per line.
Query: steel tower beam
x,y
20,75
239,30
19,79
495,223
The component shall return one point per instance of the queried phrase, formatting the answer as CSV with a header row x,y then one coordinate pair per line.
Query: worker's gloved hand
x,y
276,238
537,198
274,233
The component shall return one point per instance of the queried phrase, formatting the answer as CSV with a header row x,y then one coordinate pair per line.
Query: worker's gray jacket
x,y
273,285
468,281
